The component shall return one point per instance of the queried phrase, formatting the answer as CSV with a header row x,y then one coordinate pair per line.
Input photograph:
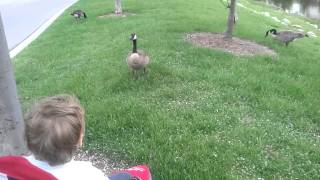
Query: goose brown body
x,y
285,36
138,60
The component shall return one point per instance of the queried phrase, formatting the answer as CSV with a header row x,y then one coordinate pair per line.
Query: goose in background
x,y
78,14
285,36
137,59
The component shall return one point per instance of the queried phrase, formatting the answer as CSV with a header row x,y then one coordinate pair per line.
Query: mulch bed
x,y
235,46
124,14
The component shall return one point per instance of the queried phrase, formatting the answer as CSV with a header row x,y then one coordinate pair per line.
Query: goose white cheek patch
x,y
135,37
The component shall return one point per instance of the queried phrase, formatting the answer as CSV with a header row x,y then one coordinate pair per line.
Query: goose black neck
x,y
274,31
134,48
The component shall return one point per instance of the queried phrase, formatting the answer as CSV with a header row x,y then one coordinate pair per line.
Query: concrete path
x,y
22,18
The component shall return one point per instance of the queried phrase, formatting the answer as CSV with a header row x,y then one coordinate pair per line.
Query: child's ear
x,y
80,142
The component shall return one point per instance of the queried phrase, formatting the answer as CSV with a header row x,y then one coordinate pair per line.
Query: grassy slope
x,y
200,113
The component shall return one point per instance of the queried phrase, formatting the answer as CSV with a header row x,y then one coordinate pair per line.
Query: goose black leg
x,y
134,75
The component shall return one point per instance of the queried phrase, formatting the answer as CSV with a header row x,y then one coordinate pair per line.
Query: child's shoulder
x,y
70,170
83,170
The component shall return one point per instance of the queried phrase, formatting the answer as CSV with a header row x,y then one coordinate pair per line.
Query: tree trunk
x,y
11,121
231,18
118,7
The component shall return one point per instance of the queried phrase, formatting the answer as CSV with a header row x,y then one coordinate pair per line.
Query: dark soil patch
x,y
124,14
235,46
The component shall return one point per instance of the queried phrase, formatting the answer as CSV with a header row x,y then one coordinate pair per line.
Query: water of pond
x,y
308,8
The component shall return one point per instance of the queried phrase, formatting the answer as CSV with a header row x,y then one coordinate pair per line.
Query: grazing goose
x,y
137,59
78,14
285,36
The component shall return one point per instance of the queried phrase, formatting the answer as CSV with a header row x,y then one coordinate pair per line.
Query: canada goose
x,y
137,59
78,14
285,36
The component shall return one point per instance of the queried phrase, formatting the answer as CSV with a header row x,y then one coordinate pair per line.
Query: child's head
x,y
55,128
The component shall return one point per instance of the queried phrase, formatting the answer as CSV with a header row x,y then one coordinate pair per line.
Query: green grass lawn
x,y
199,113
